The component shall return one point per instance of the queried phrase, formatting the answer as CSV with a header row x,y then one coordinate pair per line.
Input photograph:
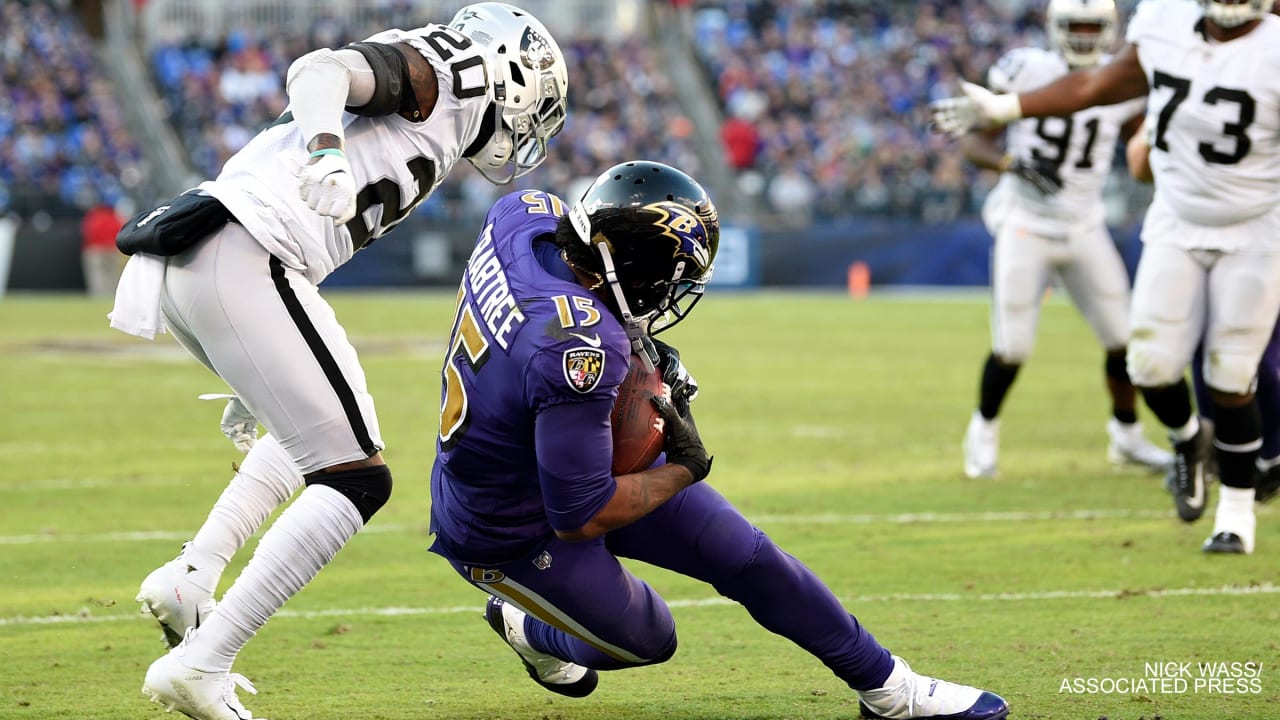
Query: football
x,y
637,441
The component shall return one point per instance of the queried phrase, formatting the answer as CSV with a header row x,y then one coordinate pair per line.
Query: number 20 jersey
x,y
1082,147
1213,113
395,162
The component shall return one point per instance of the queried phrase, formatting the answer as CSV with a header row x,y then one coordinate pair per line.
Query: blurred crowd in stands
x,y
824,99
64,145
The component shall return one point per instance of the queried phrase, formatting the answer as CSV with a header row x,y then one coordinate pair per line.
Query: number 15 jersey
x,y
396,162
1213,116
1081,148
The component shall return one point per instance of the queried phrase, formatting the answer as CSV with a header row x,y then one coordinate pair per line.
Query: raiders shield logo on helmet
x,y
583,367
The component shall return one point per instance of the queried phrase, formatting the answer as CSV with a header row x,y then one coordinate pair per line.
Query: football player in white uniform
x,y
1211,260
371,129
1267,388
1047,217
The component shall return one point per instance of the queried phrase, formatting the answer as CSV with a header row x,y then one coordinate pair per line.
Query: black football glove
x,y
684,387
1039,173
683,446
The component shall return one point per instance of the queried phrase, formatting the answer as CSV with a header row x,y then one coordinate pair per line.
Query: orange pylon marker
x,y
859,280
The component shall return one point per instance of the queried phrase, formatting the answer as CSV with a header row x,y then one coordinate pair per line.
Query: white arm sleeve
x,y
321,84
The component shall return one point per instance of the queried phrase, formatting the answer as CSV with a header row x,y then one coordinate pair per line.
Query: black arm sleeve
x,y
392,92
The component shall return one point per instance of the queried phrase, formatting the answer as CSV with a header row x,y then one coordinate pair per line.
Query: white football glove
x,y
327,186
238,424
978,108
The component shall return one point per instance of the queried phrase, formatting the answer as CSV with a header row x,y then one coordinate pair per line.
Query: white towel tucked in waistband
x,y
137,308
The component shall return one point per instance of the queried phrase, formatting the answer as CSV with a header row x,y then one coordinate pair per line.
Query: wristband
x,y
328,151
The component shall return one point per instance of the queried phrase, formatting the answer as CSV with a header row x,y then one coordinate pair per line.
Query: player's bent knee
x,y
1152,369
368,488
1231,374
664,655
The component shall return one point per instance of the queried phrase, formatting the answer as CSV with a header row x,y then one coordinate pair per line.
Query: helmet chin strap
x,y
635,327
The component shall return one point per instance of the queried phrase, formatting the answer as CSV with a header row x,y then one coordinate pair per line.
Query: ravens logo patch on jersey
x,y
583,368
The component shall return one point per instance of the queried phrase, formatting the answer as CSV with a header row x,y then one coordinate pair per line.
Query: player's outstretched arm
x,y
1119,80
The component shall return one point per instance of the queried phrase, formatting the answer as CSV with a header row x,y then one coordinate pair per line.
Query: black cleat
x,y
1187,479
1225,543
552,673
1268,484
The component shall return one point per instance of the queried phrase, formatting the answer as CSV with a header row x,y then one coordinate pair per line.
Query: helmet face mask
x,y
655,233
1234,13
1082,30
530,85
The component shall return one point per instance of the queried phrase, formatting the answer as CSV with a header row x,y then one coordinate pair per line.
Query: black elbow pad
x,y
392,91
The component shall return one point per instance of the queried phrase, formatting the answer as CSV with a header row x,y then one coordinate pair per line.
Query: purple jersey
x,y
533,367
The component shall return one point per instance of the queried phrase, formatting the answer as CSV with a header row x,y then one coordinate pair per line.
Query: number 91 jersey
x,y
1213,116
1080,147
396,162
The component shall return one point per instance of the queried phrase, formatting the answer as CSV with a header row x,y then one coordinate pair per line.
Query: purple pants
x,y
586,608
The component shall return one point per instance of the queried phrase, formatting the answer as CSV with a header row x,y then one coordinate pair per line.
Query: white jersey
x,y
1081,146
1213,117
396,163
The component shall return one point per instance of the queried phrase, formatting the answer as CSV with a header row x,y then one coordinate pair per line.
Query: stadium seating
x,y
63,141
823,99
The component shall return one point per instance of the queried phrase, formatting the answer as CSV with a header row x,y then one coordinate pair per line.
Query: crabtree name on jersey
x,y
491,291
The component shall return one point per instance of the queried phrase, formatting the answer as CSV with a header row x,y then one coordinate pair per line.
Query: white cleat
x,y
552,673
908,696
176,595
1129,446
1234,525
981,447
195,693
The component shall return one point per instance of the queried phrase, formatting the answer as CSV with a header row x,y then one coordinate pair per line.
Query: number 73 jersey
x,y
396,162
1213,113
1081,148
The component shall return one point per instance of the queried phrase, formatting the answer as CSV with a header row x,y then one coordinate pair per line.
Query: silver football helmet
x,y
530,84
1234,13
1082,30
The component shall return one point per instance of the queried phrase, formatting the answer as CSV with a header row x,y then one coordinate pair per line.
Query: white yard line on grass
x,y
85,616
923,518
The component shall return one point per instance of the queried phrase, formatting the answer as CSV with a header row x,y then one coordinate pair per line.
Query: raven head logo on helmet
x,y
1082,30
1234,13
530,84
649,233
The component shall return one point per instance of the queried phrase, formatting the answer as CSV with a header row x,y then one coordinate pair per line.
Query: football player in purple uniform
x,y
524,503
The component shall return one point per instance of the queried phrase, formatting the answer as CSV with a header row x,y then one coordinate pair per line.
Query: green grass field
x,y
836,427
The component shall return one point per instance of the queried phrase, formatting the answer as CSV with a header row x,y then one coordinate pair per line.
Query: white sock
x,y
302,540
1186,432
1235,512
267,478
993,422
